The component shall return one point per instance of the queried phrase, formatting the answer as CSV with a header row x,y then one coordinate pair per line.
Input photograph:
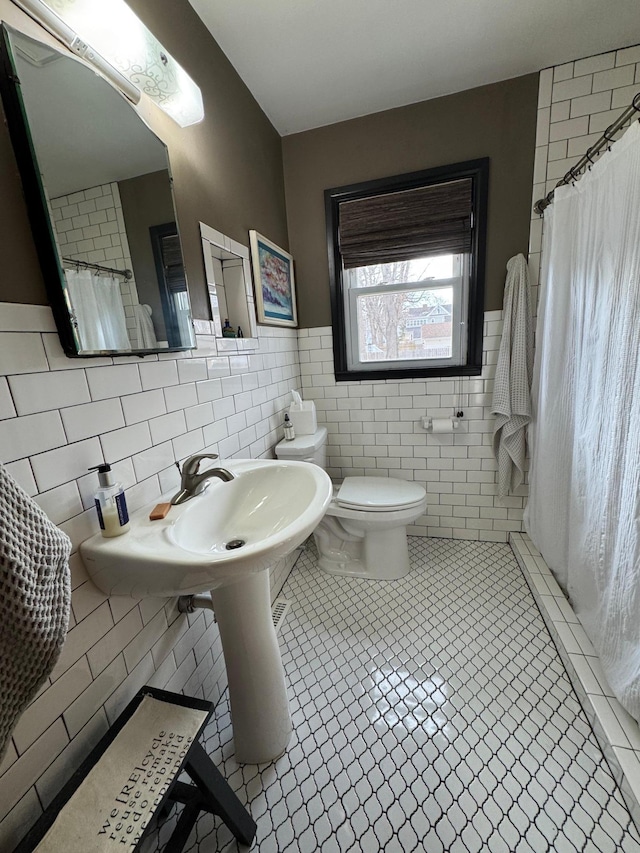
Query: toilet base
x,y
379,555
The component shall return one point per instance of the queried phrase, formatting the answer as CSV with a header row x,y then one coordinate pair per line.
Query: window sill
x,y
408,373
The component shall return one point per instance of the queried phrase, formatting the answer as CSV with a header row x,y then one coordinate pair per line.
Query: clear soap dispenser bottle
x,y
289,431
111,503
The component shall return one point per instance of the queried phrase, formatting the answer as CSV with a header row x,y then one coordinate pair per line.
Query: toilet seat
x,y
379,494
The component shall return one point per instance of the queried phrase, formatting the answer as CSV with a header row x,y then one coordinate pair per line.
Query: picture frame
x,y
274,282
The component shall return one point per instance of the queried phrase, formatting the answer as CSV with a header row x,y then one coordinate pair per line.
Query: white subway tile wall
x,y
375,427
58,416
577,101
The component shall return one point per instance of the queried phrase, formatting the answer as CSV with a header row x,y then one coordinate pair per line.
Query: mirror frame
x,y
37,208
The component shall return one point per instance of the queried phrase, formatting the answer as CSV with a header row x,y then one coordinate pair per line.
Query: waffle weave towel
x,y
35,600
514,370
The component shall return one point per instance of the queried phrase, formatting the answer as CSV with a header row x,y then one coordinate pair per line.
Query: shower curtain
x,y
584,505
96,302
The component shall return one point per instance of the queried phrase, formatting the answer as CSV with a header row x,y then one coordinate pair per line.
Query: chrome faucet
x,y
194,483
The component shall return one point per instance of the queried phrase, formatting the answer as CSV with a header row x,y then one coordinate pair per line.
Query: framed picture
x,y
274,282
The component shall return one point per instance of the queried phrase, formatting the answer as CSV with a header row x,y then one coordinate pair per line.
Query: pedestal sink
x,y
224,540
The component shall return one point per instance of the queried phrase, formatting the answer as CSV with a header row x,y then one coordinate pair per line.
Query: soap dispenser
x,y
111,503
289,431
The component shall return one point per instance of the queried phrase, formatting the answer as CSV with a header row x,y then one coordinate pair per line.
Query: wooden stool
x,y
131,777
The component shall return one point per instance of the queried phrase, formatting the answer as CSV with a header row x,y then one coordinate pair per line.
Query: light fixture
x,y
113,38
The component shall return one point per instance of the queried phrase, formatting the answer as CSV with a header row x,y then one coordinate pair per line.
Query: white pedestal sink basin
x,y
270,507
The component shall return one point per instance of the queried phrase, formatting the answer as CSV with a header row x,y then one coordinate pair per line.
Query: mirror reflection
x,y
108,191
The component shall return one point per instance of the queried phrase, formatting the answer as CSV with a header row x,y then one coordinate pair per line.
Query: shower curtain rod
x,y
587,159
86,265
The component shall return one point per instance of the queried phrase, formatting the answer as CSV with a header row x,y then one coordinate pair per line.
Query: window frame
x,y
478,171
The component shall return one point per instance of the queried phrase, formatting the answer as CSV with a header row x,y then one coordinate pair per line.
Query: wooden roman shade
x,y
399,226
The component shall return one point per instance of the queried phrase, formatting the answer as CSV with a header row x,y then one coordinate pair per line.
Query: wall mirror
x,y
98,190
230,286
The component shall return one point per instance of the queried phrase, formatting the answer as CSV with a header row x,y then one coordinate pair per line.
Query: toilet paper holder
x,y
428,424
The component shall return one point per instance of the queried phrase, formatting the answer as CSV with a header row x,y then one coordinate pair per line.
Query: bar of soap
x,y
159,511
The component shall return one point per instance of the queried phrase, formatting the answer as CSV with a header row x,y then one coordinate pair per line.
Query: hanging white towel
x,y
144,327
35,600
512,388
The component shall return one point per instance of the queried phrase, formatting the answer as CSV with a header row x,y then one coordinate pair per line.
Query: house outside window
x,y
406,258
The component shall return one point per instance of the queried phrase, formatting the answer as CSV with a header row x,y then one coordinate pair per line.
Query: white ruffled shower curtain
x,y
584,505
96,302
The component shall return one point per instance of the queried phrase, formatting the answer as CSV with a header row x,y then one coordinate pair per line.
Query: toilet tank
x,y
305,448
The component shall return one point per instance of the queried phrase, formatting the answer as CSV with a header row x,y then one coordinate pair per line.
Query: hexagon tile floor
x,y
430,714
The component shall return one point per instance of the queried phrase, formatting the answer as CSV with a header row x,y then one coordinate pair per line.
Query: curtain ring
x,y
589,157
607,135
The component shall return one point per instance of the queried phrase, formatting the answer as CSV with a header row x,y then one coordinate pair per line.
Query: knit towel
x,y
514,370
35,600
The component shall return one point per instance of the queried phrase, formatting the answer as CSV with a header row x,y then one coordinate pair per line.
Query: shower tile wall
x,y
58,416
90,227
577,101
374,428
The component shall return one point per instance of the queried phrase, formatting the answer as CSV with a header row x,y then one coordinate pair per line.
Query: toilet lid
x,y
379,493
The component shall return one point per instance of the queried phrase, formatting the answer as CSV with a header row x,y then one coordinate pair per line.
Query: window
x,y
406,262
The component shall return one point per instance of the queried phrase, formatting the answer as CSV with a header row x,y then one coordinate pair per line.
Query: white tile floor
x,y
430,714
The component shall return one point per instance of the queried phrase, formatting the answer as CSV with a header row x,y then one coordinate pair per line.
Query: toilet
x,y
364,531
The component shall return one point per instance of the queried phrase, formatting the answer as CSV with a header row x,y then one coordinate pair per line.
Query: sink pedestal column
x,y
257,689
